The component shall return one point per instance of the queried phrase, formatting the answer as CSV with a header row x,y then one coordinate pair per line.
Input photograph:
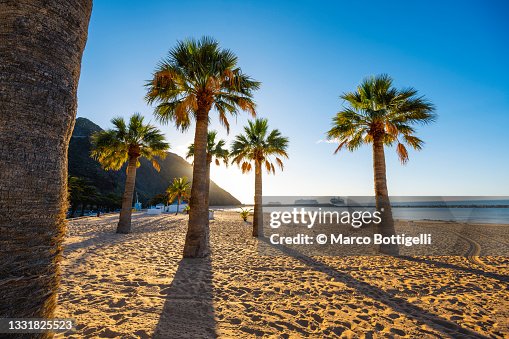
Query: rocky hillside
x,y
149,182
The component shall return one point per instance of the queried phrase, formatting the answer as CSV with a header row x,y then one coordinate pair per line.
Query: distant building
x,y
337,201
173,207
137,204
306,202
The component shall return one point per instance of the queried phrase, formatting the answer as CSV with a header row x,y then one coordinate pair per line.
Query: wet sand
x,y
137,286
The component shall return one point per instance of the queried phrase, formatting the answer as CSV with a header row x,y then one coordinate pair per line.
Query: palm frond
x,y
113,148
199,72
379,111
258,146
402,153
180,188
215,150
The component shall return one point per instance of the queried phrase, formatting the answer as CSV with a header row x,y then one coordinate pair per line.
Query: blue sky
x,y
306,53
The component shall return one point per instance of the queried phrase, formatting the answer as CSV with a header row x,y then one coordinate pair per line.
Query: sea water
x,y
482,211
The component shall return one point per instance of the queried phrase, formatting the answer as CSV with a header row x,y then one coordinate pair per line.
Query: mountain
x,y
149,182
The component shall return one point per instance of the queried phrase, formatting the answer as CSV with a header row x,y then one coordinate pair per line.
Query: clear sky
x,y
306,53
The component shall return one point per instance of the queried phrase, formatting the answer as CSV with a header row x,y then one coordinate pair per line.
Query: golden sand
x,y
137,286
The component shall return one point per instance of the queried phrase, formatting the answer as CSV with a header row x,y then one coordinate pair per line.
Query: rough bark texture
x,y
178,206
124,222
258,212
209,161
197,242
41,45
383,203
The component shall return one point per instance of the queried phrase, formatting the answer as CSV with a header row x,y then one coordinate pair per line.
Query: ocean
x,y
490,211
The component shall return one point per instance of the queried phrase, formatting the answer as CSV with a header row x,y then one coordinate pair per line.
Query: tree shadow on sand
x,y
398,304
189,310
109,238
440,264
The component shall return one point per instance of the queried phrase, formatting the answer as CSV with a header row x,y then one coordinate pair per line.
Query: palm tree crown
x,y
196,76
257,145
378,111
113,147
215,150
179,189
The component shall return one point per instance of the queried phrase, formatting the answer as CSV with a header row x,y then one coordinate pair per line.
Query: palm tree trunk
x,y
73,210
178,206
124,222
197,242
258,211
209,161
41,46
383,203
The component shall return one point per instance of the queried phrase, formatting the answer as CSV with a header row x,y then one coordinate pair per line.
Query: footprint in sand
x,y
118,303
253,331
317,318
398,332
117,316
292,312
141,334
235,321
108,333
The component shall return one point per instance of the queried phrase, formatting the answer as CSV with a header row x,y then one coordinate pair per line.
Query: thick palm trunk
x,y
124,222
41,44
383,203
258,211
197,242
209,161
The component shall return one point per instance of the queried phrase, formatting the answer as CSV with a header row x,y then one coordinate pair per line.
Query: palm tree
x,y
76,188
80,192
179,190
257,146
40,51
196,77
381,115
215,152
114,147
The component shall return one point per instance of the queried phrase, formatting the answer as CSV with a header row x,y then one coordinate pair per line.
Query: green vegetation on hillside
x,y
149,182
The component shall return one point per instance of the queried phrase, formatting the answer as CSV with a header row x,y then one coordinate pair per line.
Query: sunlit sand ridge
x,y
137,285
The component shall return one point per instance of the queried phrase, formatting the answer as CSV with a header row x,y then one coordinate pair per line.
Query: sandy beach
x,y
137,286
